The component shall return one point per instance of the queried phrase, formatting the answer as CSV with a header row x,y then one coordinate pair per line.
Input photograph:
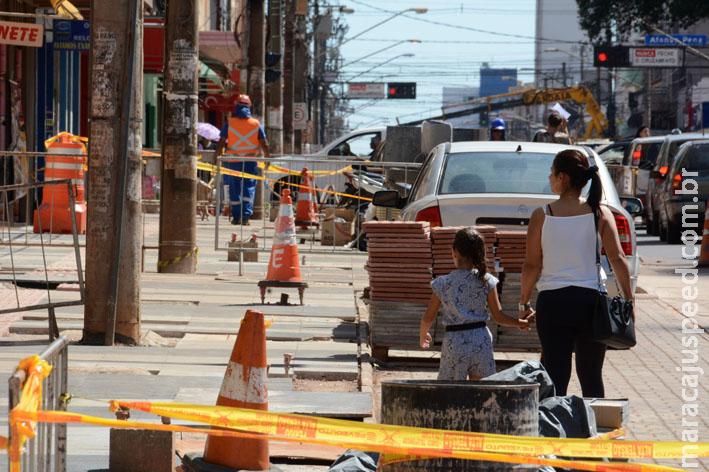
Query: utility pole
x,y
178,192
301,66
288,51
648,99
563,73
274,90
256,57
114,234
611,104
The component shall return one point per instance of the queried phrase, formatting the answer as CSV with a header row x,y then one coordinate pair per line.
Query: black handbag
x,y
612,316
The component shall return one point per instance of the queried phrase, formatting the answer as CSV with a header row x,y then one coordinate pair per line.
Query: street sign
x,y
371,90
687,40
300,115
21,34
656,57
72,35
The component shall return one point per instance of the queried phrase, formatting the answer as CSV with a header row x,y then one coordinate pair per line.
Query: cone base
x,y
194,462
285,284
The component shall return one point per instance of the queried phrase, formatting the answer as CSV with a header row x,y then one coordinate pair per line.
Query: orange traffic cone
x,y
284,266
305,209
704,254
244,386
54,214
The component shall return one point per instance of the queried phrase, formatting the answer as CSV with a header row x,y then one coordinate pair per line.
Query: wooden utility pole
x,y
114,233
256,65
288,50
274,90
300,75
178,191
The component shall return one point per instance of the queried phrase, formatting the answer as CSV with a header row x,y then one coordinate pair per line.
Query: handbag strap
x,y
598,251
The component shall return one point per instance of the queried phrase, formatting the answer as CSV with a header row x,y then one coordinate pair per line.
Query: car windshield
x,y
496,172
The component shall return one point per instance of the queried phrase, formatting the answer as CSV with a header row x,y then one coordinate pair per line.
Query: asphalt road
x,y
653,251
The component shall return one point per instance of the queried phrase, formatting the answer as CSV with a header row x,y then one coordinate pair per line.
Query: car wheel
x,y
674,233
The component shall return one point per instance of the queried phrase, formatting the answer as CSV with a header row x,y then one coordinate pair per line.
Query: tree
x,y
611,21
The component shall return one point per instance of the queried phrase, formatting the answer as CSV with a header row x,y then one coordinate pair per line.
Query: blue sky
x,y
446,55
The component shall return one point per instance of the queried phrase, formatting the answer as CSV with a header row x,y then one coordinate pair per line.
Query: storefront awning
x,y
220,46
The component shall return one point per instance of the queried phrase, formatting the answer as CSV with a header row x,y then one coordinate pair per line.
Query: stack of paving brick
x,y
508,338
399,263
511,249
443,241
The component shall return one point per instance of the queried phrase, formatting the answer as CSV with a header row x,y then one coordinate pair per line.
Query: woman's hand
x,y
523,324
529,315
425,341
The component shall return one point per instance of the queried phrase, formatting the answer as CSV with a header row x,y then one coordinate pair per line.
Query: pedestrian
x,y
643,132
497,130
464,295
561,261
242,136
554,132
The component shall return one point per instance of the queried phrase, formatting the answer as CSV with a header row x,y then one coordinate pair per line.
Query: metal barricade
x,y
331,179
47,450
11,239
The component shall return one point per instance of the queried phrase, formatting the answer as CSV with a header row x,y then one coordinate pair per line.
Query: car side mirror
x,y
634,206
647,165
388,199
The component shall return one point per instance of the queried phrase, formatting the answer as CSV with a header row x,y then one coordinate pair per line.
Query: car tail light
x,y
636,155
676,183
663,172
430,214
626,241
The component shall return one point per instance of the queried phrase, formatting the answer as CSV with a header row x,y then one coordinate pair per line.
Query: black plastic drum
x,y
477,406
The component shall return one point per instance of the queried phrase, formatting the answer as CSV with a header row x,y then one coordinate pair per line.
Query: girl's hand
x,y
523,324
426,341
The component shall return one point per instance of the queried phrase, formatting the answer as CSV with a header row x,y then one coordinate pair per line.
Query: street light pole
x,y
415,41
378,65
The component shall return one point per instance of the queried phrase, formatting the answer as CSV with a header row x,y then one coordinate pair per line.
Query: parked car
x,y
500,183
679,211
665,159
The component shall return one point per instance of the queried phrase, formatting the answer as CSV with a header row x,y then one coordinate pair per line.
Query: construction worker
x,y
242,136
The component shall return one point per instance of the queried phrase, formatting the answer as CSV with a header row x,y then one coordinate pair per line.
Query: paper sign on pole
x,y
560,110
21,34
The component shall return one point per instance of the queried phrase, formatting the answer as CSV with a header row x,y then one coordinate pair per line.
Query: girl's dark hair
x,y
640,130
575,164
471,245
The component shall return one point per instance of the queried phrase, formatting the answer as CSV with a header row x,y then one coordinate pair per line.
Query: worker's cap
x,y
498,123
243,100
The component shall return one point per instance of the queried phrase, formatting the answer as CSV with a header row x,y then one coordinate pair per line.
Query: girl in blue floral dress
x,y
464,293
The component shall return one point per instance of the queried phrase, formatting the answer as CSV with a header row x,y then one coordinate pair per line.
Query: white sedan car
x,y
500,184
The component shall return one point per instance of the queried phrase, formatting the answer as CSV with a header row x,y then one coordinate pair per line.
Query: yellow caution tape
x,y
177,259
30,401
245,175
299,428
274,168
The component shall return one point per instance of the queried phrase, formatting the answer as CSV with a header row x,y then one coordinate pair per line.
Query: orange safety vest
x,y
243,136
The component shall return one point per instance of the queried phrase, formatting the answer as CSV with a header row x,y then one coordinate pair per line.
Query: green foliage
x,y
609,21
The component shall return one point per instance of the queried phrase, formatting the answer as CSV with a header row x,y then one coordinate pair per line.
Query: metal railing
x,y
12,240
330,183
47,450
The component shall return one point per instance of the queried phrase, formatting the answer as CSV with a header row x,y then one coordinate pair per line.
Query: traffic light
x,y
611,56
401,90
272,60
483,119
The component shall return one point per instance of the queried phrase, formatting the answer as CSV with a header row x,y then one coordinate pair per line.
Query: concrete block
x,y
139,450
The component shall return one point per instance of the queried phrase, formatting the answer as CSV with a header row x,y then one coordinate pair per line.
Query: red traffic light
x,y
602,57
392,90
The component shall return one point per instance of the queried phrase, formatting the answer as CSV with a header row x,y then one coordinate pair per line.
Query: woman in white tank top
x,y
561,261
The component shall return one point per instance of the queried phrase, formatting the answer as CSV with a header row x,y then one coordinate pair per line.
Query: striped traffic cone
x,y
284,266
305,208
704,254
244,386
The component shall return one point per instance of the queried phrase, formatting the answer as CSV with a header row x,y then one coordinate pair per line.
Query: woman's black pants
x,y
564,326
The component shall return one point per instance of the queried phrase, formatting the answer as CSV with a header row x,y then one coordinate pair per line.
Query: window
x,y
359,145
696,158
494,172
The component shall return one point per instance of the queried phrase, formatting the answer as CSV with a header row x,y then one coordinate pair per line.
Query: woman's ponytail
x,y
595,193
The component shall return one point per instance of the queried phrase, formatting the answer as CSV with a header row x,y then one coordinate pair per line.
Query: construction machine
x,y
579,94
